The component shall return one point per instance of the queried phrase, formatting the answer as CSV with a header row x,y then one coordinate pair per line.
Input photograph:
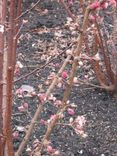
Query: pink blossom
x,y
113,3
33,94
47,82
64,74
71,111
51,76
58,103
56,153
53,117
17,70
80,122
75,80
70,2
52,98
94,5
50,149
59,85
57,65
19,91
43,122
78,125
15,135
42,97
104,5
26,105
81,132
21,108
92,18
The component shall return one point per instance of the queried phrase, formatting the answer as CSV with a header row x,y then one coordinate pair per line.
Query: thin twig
x,y
39,109
28,10
42,67
68,10
106,56
68,88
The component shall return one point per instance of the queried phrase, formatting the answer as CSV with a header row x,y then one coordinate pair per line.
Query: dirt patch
x,y
44,34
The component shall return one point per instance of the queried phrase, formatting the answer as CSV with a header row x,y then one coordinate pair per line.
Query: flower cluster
x,y
78,125
103,5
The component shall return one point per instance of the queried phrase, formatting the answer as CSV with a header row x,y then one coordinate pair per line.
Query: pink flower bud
x,y
53,117
17,70
47,82
92,18
50,149
19,91
26,105
58,103
64,75
57,65
33,94
94,5
15,135
21,108
70,2
52,98
71,111
43,122
42,97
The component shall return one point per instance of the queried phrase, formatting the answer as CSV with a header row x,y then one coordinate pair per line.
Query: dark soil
x,y
42,34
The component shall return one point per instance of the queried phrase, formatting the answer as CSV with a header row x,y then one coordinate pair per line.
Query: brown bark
x,y
2,29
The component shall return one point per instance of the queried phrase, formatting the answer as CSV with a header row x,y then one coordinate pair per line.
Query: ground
x,y
46,33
